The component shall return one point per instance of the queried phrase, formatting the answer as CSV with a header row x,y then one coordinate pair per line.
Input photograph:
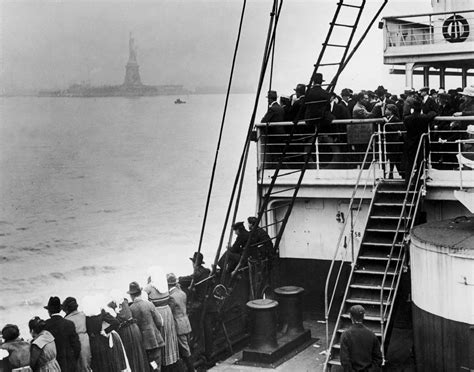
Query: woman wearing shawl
x,y
130,334
157,290
43,348
108,354
18,349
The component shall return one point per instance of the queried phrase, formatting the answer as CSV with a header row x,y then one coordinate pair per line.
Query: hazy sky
x,y
51,44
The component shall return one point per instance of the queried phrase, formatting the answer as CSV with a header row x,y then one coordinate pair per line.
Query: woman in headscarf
x,y
108,354
18,349
70,306
130,334
43,348
157,290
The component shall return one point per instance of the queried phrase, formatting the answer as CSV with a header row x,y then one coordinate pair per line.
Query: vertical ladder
x,y
274,227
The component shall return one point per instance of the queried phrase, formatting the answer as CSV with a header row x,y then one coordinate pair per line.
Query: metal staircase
x,y
381,260
331,65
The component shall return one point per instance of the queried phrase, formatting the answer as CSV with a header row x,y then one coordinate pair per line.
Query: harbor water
x,y
94,191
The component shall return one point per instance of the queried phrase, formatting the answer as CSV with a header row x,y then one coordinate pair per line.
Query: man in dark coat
x,y
275,112
360,348
68,346
428,103
261,246
347,100
233,255
416,124
316,109
150,324
298,102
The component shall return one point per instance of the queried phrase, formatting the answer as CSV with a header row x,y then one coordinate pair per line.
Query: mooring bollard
x,y
263,320
290,299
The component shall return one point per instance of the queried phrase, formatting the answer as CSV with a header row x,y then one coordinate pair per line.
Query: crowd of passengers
x,y
406,116
146,329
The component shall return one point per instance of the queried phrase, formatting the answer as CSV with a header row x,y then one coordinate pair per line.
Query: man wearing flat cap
x,y
68,347
360,347
150,324
234,253
177,303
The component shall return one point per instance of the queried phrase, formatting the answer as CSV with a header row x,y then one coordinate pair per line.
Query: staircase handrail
x,y
328,304
417,174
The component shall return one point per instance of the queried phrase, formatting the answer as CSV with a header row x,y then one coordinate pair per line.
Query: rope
x,y
270,37
211,182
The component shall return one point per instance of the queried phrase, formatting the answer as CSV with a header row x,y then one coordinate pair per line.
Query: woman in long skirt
x,y
108,353
130,335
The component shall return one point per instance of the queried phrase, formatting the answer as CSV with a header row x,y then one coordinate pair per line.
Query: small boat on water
x,y
179,101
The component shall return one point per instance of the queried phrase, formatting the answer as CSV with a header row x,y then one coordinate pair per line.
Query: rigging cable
x,y
211,182
239,175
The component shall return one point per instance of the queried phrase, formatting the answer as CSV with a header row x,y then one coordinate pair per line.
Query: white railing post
x,y
317,152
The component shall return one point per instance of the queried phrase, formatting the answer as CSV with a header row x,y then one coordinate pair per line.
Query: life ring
x,y
455,37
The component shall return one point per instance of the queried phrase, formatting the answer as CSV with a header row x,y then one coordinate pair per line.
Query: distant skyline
x,y
51,44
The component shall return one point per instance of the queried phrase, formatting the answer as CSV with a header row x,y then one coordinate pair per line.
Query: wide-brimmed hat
x,y
468,91
197,258
54,305
424,89
69,304
380,90
134,288
272,94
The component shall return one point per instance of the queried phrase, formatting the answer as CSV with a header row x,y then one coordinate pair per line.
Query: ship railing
x,y
342,252
439,28
341,146
465,157
445,136
415,189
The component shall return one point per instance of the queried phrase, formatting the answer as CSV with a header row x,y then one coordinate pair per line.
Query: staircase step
x,y
380,256
366,301
374,272
381,238
366,317
334,362
368,286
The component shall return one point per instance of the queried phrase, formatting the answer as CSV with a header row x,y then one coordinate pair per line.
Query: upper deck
x,y
334,168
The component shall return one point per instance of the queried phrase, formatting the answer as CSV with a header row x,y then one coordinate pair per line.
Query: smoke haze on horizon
x,y
50,45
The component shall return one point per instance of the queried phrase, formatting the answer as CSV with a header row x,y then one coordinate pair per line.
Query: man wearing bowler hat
x,y
428,104
298,101
68,346
360,348
150,324
275,112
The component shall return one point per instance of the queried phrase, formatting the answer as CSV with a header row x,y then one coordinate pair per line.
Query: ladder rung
x,y
330,64
350,5
278,207
288,173
341,24
283,190
336,45
272,224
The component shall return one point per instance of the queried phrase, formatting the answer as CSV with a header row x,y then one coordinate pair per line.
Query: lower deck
x,y
400,353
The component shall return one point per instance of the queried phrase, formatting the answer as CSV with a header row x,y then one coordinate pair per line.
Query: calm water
x,y
95,191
